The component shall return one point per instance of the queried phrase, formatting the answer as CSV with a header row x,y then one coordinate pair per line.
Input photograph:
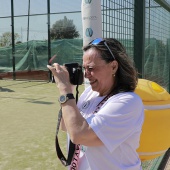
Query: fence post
x,y
13,39
139,35
49,38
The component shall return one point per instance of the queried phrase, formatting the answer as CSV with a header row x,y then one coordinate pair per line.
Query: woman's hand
x,y
61,77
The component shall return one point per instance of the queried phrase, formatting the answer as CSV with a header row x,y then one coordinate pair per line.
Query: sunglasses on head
x,y
97,41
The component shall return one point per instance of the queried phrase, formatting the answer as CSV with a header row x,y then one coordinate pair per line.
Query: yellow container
x,y
155,136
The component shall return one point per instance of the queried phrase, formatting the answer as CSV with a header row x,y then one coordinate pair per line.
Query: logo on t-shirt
x,y
86,104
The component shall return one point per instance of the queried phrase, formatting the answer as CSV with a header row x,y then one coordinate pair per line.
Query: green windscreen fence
x,y
156,66
157,48
33,55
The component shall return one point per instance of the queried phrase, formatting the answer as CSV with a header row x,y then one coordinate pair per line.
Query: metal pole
x,y
164,4
28,27
49,37
139,36
13,39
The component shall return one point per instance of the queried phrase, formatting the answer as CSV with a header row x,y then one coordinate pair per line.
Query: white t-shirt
x,y
118,124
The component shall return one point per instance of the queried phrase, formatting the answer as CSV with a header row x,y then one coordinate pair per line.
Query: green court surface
x,y
28,117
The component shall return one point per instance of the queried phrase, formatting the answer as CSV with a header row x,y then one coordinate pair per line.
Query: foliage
x,y
6,39
64,28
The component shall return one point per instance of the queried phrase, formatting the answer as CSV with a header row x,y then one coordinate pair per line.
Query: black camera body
x,y
75,73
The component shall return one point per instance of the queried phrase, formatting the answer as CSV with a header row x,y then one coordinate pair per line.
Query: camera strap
x,y
72,147
71,150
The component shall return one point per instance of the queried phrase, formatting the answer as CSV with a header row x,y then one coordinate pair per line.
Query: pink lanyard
x,y
75,160
101,103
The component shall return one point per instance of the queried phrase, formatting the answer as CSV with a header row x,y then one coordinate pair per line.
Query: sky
x,y
38,24
38,6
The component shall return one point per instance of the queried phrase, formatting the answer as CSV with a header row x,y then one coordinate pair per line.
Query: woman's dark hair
x,y
126,77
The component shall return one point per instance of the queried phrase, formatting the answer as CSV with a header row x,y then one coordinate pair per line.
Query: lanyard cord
x,y
102,102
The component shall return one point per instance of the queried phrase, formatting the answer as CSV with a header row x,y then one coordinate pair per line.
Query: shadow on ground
x,y
5,90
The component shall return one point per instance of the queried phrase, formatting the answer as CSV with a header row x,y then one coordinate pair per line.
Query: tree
x,y
64,28
6,38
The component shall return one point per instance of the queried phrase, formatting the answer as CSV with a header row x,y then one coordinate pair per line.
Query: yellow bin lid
x,y
150,91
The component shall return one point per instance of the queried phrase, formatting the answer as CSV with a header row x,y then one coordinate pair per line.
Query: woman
x,y
108,118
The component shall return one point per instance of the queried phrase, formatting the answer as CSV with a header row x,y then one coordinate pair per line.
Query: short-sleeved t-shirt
x,y
118,125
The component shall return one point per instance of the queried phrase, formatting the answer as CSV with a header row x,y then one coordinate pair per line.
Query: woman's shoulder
x,y
128,102
127,96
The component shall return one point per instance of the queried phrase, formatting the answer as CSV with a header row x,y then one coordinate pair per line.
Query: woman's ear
x,y
114,66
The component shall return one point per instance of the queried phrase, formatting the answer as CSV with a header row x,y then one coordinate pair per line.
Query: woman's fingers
x,y
57,67
59,72
52,69
61,76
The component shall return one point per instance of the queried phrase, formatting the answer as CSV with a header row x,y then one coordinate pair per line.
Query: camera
x,y
75,73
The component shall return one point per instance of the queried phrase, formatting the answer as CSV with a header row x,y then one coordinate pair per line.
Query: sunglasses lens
x,y
99,40
96,41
